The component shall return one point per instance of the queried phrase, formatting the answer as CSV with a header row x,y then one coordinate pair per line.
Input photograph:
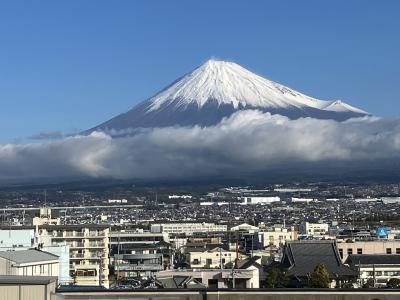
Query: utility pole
x,y
220,256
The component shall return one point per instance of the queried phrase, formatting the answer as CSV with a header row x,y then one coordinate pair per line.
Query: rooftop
x,y
28,256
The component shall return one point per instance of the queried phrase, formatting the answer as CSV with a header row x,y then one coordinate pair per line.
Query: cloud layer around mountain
x,y
248,141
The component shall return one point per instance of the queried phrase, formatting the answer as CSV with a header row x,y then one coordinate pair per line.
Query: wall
x,y
238,295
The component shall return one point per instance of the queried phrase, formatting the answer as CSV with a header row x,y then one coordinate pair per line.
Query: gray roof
x,y
301,258
373,259
29,280
28,256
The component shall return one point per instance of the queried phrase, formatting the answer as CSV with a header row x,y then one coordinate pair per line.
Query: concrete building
x,y
89,250
277,236
378,267
213,258
249,200
28,263
368,247
187,228
24,238
314,229
16,237
45,217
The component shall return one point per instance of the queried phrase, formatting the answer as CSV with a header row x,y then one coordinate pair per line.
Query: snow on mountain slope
x,y
217,89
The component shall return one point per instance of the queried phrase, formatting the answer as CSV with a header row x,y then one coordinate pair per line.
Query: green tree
x,y
369,284
320,277
393,283
276,278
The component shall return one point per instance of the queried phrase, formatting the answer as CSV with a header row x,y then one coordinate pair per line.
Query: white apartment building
x,y
28,263
214,258
251,200
89,250
314,229
187,228
368,247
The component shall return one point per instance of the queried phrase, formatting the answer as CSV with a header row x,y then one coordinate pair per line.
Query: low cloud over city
x,y
248,141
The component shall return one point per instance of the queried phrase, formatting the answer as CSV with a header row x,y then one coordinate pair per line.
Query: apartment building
x,y
139,253
89,250
187,228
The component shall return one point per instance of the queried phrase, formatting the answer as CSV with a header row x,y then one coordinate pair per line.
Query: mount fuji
x,y
217,89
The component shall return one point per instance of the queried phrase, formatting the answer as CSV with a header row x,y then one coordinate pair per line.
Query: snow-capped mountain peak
x,y
217,89
228,83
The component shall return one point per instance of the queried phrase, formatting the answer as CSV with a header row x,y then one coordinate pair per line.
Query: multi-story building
x,y
45,217
213,258
89,250
187,228
368,247
139,253
314,229
277,236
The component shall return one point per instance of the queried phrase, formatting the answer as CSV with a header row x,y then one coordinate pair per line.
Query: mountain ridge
x,y
215,90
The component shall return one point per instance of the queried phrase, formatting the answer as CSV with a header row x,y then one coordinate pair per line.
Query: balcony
x,y
96,245
138,256
144,267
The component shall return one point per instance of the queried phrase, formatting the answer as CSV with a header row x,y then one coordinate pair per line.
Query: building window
x,y
349,251
397,250
341,253
359,250
388,250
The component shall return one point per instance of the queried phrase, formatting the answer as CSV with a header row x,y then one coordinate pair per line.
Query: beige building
x,y
278,236
89,250
212,258
45,217
28,288
29,263
368,247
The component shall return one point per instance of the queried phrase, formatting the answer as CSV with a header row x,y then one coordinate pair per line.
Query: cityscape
x,y
199,150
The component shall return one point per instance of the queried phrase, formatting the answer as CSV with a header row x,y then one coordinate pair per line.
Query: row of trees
x,y
319,278
278,278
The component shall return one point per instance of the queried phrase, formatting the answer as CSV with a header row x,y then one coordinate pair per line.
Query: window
x,y
349,251
388,250
341,253
397,250
359,250
208,261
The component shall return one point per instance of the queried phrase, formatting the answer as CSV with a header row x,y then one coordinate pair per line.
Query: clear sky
x,y
69,65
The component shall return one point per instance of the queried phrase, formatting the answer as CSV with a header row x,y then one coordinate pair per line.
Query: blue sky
x,y
69,65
